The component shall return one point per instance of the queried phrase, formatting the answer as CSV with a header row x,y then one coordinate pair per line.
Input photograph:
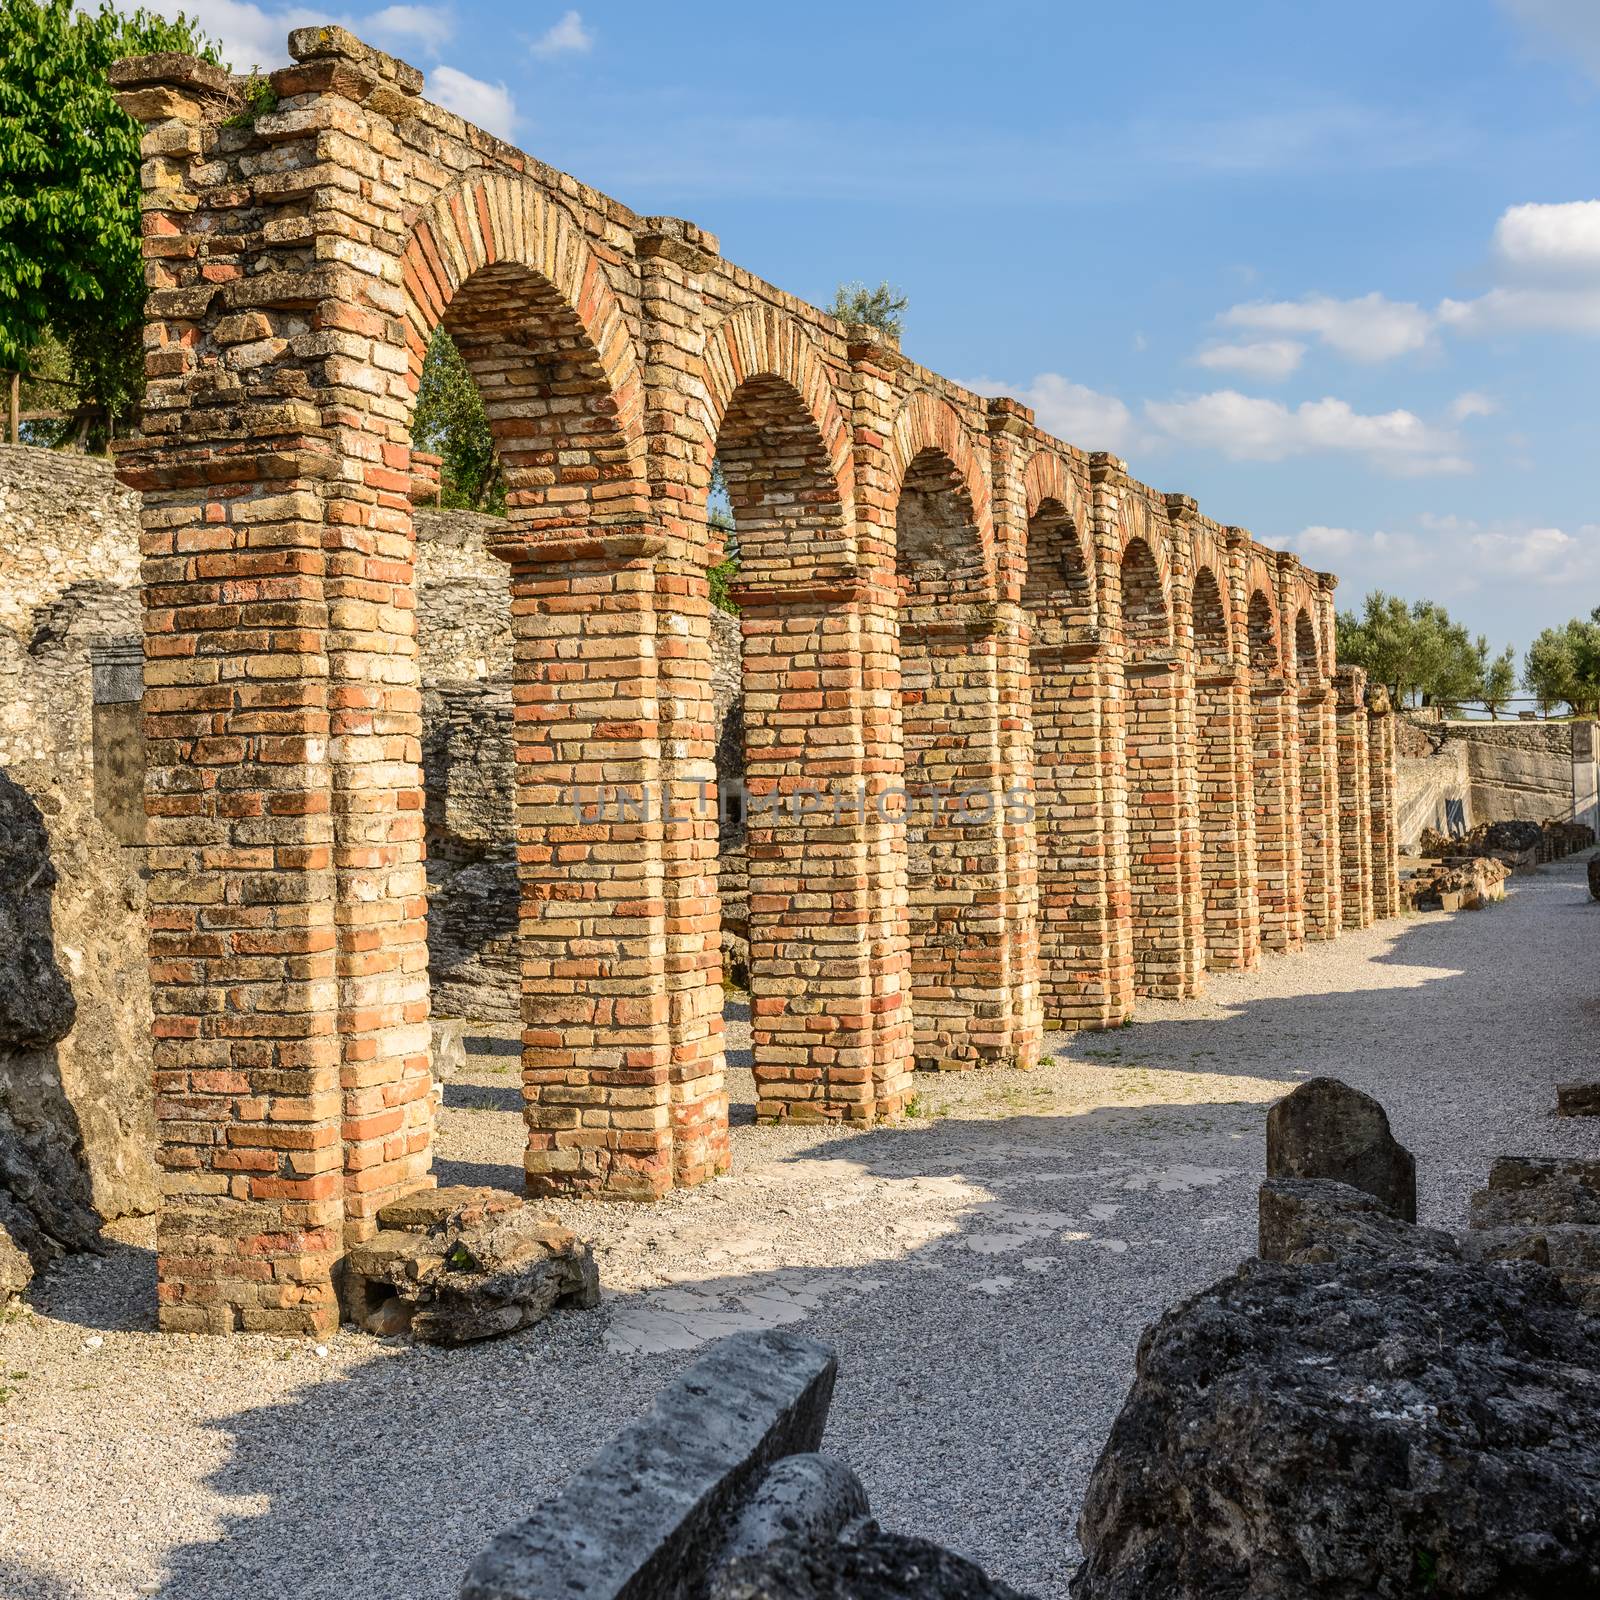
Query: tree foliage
x,y
1416,651
1562,667
70,262
450,422
1497,678
883,308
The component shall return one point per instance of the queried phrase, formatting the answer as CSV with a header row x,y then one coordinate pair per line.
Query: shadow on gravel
x,y
978,1376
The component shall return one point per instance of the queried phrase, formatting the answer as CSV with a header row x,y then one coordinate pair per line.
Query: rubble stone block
x,y
1326,1129
646,1517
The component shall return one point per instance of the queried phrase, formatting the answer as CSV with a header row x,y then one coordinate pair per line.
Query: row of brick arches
x,y
1024,740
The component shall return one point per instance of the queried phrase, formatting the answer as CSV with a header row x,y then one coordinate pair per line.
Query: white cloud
x,y
1472,404
1570,28
1546,556
1269,360
1071,411
566,37
1250,428
1346,548
1371,328
1550,239
489,105
1525,309
257,36
427,25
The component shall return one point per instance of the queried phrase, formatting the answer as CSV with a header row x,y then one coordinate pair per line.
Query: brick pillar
x,y
674,256
597,1041
1227,817
1277,858
1319,834
816,816
1385,830
1182,513
1010,425
875,364
1355,799
1072,768
1108,477
1292,915
239,786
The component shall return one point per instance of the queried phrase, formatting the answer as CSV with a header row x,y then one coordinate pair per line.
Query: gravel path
x,y
984,1270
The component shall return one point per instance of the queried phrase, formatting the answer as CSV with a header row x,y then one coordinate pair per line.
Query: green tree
x,y
882,308
1562,667
450,422
1416,651
1497,678
70,262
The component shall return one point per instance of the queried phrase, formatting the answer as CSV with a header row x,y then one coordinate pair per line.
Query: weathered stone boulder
x,y
1594,877
1462,883
1307,1220
452,1266
1546,1211
871,1565
1326,1129
810,1498
1377,1424
46,1208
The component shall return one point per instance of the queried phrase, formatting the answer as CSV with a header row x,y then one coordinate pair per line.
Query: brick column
x,y
1107,476
1182,512
597,1040
1355,799
239,783
1385,832
1223,709
1291,916
1010,425
816,816
1319,836
674,258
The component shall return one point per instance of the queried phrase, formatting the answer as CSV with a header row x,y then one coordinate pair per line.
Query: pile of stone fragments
x,y
1469,872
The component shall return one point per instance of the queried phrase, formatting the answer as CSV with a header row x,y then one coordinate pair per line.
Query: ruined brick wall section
x,y
298,267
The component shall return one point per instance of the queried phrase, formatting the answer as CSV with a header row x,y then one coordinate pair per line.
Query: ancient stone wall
x,y
69,735
920,569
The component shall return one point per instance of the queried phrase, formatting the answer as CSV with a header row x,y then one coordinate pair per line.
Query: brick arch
x,y
1055,510
768,407
1265,632
758,341
495,254
1146,611
1213,625
928,428
1307,647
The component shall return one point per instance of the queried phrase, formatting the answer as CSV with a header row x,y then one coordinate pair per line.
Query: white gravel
x,y
984,1270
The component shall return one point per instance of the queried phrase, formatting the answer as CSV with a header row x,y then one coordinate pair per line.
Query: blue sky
x,y
1335,271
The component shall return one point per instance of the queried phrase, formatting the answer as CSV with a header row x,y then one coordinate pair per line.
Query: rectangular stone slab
x,y
644,1518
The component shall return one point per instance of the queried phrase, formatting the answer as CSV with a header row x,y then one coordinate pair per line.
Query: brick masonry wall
x,y
898,626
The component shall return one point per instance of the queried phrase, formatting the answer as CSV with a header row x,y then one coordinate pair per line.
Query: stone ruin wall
x,y
1478,772
70,736
1159,769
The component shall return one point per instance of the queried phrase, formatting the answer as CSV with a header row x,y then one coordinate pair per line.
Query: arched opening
x,y
1057,592
954,786
1277,892
791,846
1151,757
1220,779
1318,825
617,1096
1066,717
